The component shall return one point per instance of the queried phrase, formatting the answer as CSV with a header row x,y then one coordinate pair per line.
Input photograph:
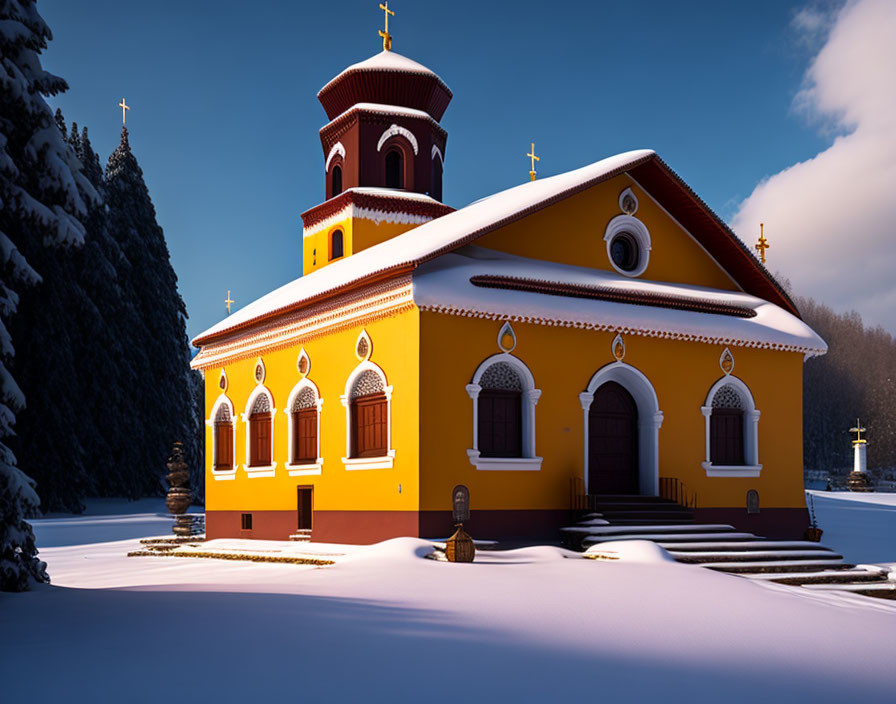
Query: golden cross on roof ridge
x,y
387,38
229,301
858,430
763,243
123,107
534,158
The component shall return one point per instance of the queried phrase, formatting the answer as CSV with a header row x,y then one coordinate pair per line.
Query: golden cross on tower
x,y
763,243
533,158
229,301
858,430
123,107
387,38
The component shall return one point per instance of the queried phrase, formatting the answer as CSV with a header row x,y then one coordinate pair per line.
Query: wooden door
x,y
370,432
305,507
613,441
726,437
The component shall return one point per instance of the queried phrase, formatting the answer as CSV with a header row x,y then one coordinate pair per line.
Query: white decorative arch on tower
x,y
751,466
397,130
304,388
530,395
337,148
650,418
436,152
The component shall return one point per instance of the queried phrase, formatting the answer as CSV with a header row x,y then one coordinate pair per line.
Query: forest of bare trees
x,y
855,379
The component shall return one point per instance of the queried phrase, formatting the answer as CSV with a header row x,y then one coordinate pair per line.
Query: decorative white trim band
x,y
304,470
352,211
396,131
385,462
512,464
339,149
224,474
264,471
746,470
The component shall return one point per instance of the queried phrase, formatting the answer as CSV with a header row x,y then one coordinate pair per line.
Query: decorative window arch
x,y
650,419
504,399
259,419
303,421
628,245
337,150
221,421
394,165
396,131
336,179
368,419
732,430
337,245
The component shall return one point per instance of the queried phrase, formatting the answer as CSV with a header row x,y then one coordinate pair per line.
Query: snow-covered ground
x,y
861,527
385,624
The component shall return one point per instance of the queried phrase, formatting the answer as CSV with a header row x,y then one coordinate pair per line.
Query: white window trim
x,y
267,470
387,461
436,152
306,468
638,230
529,462
752,467
650,420
337,148
222,474
395,131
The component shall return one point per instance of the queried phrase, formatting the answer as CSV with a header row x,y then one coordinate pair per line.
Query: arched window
x,y
504,399
336,245
336,181
260,442
368,406
394,168
304,413
436,188
732,442
222,454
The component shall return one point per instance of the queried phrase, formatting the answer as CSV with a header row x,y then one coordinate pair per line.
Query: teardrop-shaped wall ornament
x,y
726,361
363,346
618,348
222,381
259,372
506,338
303,363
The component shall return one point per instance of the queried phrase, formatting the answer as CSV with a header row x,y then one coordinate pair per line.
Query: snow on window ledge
x,y
266,470
743,470
387,461
223,474
519,464
305,469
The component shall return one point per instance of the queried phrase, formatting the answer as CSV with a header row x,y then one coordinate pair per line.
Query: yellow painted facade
x,y
358,234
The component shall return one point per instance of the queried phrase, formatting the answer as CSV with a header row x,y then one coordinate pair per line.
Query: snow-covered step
x,y
672,540
659,528
855,574
743,545
722,556
879,589
737,567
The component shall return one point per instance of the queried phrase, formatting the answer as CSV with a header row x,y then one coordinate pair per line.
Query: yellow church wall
x,y
572,232
395,351
358,234
563,361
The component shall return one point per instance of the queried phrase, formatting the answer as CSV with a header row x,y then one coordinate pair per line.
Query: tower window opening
x,y
436,185
336,181
336,248
394,169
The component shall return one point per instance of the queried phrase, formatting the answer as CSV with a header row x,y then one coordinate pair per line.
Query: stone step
x,y
737,567
629,498
782,545
670,539
638,505
881,590
646,521
842,576
651,528
752,556
648,513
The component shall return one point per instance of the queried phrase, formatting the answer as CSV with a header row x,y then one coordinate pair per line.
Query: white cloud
x,y
831,220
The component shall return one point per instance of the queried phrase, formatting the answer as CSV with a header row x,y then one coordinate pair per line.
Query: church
x,y
597,332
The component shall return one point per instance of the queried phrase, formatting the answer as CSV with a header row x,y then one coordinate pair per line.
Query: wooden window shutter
x,y
500,423
304,442
259,439
223,445
726,437
370,432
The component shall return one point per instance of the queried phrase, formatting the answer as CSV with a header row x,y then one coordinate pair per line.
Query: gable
x,y
572,231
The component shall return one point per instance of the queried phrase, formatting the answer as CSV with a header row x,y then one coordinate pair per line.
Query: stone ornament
x,y
726,361
259,372
618,348
222,381
179,497
628,202
363,346
303,363
506,338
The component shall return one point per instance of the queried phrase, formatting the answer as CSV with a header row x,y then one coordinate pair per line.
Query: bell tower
x,y
384,151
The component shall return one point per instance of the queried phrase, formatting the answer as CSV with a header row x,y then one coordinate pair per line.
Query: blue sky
x,y
225,118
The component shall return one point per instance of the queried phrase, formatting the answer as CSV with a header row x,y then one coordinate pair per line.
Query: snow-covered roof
x,y
530,290
429,240
385,61
385,110
392,193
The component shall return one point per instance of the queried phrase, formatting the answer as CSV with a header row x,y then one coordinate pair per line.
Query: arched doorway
x,y
613,441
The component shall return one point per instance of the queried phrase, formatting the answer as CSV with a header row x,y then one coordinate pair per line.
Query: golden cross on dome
x,y
533,158
858,430
763,243
229,301
387,38
123,107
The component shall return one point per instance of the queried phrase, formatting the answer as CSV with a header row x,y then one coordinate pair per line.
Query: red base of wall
x,y
782,523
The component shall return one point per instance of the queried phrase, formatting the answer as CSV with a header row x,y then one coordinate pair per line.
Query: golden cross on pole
x,y
123,107
858,430
387,38
763,243
229,301
533,158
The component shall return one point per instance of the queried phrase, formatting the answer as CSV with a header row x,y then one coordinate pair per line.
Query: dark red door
x,y
613,442
305,506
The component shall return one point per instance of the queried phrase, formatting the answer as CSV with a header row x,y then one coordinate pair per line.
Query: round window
x,y
625,252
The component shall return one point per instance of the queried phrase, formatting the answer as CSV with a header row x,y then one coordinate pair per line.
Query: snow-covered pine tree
x,y
161,401
39,207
